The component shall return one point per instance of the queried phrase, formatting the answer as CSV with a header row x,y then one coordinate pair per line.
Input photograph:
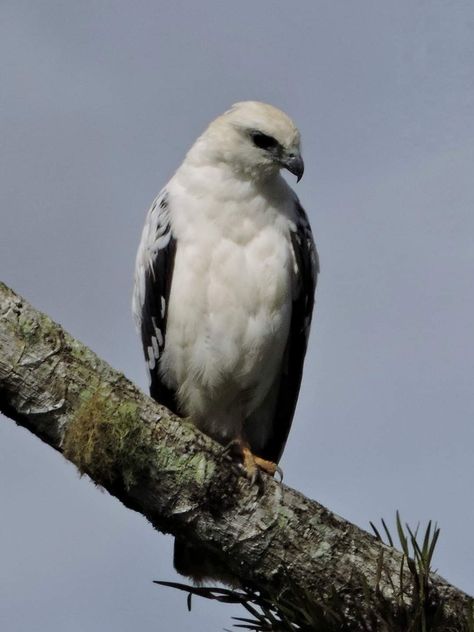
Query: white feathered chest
x,y
230,302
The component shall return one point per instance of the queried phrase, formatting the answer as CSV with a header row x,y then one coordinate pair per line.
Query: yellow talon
x,y
251,463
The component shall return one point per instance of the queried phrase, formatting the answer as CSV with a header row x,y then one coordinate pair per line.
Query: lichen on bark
x,y
107,440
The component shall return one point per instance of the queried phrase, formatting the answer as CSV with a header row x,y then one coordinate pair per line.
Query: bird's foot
x,y
269,467
252,464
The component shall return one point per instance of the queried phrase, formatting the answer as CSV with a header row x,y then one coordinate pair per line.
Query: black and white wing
x,y
306,267
153,278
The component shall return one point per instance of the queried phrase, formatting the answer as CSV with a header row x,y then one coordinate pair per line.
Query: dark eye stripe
x,y
263,141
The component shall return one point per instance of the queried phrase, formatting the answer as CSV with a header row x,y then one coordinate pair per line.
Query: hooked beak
x,y
295,165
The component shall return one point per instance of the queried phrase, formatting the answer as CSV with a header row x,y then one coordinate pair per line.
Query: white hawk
x,y
224,284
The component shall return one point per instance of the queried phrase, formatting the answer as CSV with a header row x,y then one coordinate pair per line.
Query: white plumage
x,y
224,281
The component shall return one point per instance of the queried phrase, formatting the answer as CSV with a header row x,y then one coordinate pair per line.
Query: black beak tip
x,y
295,165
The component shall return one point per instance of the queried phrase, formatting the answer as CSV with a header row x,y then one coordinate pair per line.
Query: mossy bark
x,y
174,475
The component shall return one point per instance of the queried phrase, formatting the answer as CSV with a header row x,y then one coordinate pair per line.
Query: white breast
x,y
230,302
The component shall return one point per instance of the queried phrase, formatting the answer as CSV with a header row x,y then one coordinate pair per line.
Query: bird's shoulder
x,y
303,240
156,244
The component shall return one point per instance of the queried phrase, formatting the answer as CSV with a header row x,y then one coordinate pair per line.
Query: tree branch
x,y
163,467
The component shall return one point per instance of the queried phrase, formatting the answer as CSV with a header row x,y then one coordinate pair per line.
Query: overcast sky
x,y
99,101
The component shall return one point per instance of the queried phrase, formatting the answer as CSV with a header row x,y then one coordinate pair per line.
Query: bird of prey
x,y
224,284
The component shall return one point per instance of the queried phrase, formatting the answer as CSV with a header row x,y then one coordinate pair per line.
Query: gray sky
x,y
98,104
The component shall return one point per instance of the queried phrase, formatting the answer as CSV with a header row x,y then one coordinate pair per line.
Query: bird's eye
x,y
263,141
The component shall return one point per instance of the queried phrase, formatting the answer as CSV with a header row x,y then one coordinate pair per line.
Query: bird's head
x,y
255,139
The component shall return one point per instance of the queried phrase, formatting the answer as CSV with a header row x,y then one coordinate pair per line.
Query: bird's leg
x,y
251,463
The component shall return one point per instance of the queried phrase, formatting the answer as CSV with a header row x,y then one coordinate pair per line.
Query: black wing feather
x,y
307,269
158,275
